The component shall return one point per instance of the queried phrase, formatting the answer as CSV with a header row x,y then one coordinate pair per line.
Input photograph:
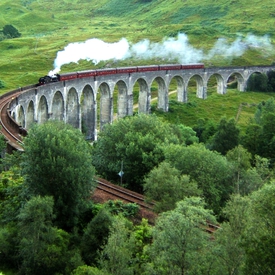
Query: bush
x,y
2,84
11,32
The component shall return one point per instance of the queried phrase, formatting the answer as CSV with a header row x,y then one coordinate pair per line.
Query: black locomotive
x,y
48,79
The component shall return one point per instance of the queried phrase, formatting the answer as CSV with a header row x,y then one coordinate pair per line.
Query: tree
x,y
95,236
209,169
205,129
185,134
3,144
228,248
259,137
11,199
9,245
264,108
179,239
117,254
43,248
252,138
57,162
268,137
241,160
226,137
259,238
143,237
166,186
138,141
11,32
262,166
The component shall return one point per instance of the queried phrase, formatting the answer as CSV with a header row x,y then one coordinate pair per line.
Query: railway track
x,y
122,193
126,195
13,138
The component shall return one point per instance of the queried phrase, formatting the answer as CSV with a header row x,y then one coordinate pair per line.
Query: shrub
x,y
2,84
11,32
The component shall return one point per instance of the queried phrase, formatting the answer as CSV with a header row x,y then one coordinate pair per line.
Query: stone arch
x,y
106,106
21,116
42,112
122,103
88,112
144,97
30,115
58,107
181,92
248,78
241,83
162,94
72,108
221,85
200,93
254,72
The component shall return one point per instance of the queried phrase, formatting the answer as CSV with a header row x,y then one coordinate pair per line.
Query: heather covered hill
x,y
46,27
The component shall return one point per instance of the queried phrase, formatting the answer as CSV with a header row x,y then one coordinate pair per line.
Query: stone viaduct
x,y
88,103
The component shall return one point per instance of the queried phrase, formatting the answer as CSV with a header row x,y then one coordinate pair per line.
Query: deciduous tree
x,y
259,240
166,186
179,239
209,169
95,236
228,247
118,253
246,178
43,249
57,162
137,141
226,137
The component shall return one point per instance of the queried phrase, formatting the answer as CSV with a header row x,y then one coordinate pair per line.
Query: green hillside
x,y
47,27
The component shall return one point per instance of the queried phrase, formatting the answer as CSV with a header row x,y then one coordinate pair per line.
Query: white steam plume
x,y
239,46
176,49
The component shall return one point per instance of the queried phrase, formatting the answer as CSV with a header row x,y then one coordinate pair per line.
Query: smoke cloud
x,y
239,46
170,49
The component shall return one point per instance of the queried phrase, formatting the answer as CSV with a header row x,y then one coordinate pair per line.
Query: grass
x,y
234,104
48,27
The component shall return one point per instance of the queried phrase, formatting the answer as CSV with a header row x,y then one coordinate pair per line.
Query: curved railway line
x,y
123,194
9,128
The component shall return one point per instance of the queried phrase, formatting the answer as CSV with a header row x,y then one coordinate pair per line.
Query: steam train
x,y
123,70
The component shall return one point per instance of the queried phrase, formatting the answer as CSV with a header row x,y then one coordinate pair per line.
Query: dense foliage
x,y
10,31
46,228
138,142
57,162
262,82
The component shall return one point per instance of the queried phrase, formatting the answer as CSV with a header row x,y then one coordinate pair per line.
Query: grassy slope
x,y
47,27
234,104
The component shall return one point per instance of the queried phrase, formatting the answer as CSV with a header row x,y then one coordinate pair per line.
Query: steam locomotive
x,y
48,79
93,73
